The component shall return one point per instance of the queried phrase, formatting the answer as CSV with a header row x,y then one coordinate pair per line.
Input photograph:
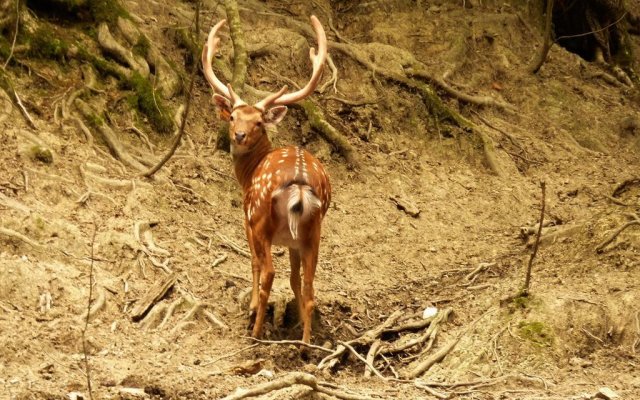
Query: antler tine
x,y
317,60
235,99
208,51
267,101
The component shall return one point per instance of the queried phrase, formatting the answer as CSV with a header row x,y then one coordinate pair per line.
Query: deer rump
x,y
294,204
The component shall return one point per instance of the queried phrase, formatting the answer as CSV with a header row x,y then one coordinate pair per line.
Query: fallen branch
x,y
219,261
153,295
294,378
481,267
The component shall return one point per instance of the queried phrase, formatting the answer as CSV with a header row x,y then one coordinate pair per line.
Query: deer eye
x,y
231,118
259,124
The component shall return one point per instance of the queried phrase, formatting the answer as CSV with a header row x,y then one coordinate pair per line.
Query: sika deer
x,y
286,191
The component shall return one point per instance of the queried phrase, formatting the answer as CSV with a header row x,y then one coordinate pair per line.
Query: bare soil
x,y
578,331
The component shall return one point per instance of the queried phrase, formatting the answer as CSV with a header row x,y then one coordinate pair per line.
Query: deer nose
x,y
240,137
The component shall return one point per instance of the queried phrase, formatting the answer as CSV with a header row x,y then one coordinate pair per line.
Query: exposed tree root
x,y
624,186
7,86
6,112
635,220
98,304
10,233
407,342
431,99
111,46
233,245
167,80
422,366
466,98
294,378
547,40
319,124
366,338
113,183
108,136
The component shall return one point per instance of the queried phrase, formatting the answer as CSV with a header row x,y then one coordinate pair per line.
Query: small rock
x,y
580,362
310,368
429,312
133,392
75,396
607,394
266,373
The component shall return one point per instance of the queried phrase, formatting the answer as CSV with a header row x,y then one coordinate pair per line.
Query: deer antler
x,y
276,99
317,61
208,51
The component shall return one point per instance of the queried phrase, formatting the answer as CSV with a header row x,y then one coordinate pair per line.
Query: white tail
x,y
301,204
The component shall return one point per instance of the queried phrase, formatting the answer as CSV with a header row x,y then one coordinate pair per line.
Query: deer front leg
x,y
262,251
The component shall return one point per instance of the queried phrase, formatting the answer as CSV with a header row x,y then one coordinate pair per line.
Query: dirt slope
x,y
578,331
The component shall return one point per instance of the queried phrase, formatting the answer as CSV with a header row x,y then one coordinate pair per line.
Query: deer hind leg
x,y
294,259
309,262
262,252
255,267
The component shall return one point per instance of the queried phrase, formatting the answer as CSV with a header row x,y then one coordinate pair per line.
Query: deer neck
x,y
246,164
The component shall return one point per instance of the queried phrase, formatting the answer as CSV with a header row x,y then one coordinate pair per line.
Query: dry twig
x,y
527,280
293,342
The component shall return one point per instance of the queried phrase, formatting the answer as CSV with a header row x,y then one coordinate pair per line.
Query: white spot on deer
x,y
280,161
264,176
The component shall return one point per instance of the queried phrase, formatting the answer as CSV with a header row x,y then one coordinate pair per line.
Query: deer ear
x,y
275,114
223,105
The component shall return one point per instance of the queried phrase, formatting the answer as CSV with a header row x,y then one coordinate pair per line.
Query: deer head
x,y
247,122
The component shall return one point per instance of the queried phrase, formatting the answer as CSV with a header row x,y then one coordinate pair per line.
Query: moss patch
x,y
147,102
142,47
42,154
107,11
536,332
46,43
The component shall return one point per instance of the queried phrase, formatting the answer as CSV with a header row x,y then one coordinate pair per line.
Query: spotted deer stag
x,y
286,190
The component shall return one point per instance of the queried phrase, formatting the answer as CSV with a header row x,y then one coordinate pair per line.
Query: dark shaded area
x,y
596,30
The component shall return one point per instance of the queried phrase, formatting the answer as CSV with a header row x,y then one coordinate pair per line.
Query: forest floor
x,y
465,253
